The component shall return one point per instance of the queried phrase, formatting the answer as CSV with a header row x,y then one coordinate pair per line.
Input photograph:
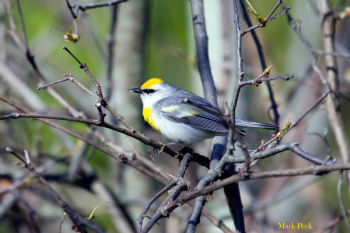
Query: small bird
x,y
182,116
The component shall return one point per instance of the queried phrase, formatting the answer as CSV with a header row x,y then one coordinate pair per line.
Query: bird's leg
x,y
159,151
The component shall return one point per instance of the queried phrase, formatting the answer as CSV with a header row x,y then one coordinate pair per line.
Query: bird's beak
x,y
136,90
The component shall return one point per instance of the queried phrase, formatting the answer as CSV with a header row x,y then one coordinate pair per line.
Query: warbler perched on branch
x,y
182,116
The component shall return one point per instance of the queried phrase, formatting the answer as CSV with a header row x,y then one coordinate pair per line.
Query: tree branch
x,y
79,221
310,170
334,116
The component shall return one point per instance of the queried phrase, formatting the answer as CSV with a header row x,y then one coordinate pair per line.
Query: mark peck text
x,y
295,225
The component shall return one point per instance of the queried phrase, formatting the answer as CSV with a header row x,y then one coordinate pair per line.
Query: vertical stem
x,y
210,94
240,75
262,59
201,38
334,116
110,50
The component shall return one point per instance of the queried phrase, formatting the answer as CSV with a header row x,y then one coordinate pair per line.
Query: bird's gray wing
x,y
200,102
194,112
205,105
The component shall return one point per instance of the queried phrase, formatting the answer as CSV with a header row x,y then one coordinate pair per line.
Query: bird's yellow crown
x,y
151,82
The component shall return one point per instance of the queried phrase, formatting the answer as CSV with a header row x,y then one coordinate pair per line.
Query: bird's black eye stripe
x,y
149,91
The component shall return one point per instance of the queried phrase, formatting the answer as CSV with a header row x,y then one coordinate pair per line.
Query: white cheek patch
x,y
149,99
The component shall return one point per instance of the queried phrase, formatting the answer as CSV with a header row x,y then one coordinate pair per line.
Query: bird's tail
x,y
243,123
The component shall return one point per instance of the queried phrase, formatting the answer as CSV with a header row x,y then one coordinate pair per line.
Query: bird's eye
x,y
149,91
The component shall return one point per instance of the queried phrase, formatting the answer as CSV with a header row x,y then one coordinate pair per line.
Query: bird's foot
x,y
162,148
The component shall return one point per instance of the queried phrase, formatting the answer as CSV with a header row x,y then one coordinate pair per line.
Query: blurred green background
x,y
154,38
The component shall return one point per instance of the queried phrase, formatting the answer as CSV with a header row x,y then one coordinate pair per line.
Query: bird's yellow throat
x,y
147,115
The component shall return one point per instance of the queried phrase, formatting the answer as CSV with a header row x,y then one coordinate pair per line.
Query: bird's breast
x,y
147,115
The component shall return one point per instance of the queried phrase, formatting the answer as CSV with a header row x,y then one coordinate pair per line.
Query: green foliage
x,y
339,4
105,222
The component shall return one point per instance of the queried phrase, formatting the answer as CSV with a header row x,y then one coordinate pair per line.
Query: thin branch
x,y
329,226
70,8
270,19
340,200
262,57
243,145
194,220
209,90
110,50
79,221
310,170
257,81
289,191
201,38
153,199
310,109
43,86
80,85
181,185
292,146
239,76
119,211
84,7
217,222
75,113
21,21
287,129
334,116
202,160
213,174
101,100
334,54
92,34
30,58
127,158
278,3
309,157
